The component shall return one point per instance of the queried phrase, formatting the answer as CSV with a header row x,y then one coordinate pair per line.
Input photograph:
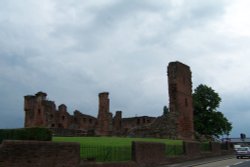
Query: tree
x,y
165,110
207,120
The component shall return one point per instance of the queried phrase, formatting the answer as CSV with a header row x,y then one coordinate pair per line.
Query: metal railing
x,y
100,153
205,147
105,153
174,150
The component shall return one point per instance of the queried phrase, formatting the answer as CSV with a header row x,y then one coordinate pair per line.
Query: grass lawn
x,y
113,141
116,148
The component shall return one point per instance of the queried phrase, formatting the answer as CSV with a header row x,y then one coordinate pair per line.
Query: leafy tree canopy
x,y
207,120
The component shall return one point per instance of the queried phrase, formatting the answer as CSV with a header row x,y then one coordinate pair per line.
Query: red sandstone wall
x,y
49,154
41,112
117,123
84,122
147,153
192,149
215,148
39,154
180,98
128,123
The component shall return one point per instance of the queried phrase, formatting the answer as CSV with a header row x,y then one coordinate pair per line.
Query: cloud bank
x,y
75,49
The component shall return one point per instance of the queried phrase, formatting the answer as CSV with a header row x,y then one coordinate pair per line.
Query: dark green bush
x,y
41,134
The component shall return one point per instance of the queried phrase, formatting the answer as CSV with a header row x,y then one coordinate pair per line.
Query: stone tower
x,y
104,118
180,98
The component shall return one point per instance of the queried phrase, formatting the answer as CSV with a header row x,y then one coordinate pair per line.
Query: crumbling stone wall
x,y
163,126
178,122
117,123
83,121
41,112
35,107
137,126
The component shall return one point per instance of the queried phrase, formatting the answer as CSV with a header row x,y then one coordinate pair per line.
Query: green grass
x,y
116,148
113,141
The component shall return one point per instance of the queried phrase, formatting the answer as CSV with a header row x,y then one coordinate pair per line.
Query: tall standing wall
x,y
180,98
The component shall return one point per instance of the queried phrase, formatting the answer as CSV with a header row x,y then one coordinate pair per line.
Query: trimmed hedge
x,y
41,134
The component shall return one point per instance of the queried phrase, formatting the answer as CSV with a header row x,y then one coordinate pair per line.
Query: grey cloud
x,y
73,50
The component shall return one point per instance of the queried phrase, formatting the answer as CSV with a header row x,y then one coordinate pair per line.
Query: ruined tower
x,y
180,98
104,118
36,109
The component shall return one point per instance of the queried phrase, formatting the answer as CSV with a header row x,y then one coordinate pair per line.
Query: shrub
x,y
41,134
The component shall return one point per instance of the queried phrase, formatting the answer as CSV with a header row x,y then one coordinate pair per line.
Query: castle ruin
x,y
41,112
177,123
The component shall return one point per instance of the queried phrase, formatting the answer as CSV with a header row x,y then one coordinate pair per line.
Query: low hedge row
x,y
41,134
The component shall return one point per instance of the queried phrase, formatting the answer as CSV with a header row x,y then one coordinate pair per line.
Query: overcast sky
x,y
74,49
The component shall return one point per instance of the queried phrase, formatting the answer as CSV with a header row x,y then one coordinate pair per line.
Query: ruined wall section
x,y
83,121
63,118
37,108
161,127
133,122
117,123
40,112
180,98
29,113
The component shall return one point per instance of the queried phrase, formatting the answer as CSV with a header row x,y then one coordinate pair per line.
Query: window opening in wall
x,y
90,121
60,125
84,120
39,111
138,121
186,102
63,117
